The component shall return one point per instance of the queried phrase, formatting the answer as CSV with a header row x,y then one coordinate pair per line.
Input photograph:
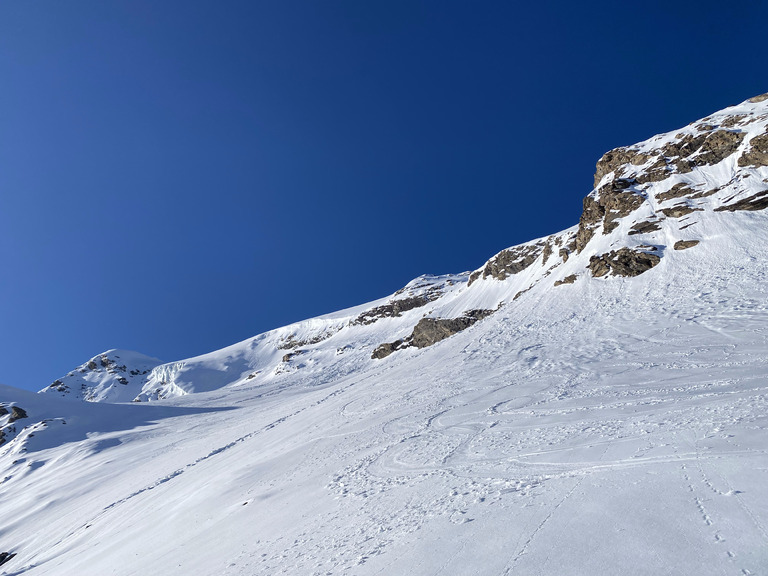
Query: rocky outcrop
x,y
291,342
758,201
5,557
431,330
684,244
680,190
287,357
614,159
393,309
679,211
757,155
622,262
567,280
508,262
17,414
644,227
14,413
384,350
428,331
688,151
605,206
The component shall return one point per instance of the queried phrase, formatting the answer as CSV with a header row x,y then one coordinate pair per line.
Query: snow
x,y
609,426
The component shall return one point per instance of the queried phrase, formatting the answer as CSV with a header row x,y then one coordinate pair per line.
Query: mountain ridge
x,y
644,205
602,418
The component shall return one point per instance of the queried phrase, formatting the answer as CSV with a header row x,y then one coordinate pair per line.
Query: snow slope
x,y
614,423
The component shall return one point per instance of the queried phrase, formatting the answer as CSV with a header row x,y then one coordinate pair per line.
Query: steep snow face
x,y
112,376
597,405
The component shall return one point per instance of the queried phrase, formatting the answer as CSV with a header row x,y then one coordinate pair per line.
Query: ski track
x,y
609,426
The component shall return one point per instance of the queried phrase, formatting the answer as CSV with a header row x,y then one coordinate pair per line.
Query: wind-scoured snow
x,y
606,425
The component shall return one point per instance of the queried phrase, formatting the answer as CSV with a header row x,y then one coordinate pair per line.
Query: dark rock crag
x,y
393,309
428,331
622,262
508,262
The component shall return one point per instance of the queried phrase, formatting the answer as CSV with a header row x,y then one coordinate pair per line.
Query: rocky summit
x,y
590,402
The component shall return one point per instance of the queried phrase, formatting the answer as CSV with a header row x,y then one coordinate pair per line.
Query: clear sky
x,y
176,176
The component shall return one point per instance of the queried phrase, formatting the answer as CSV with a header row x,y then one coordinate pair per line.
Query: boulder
x,y
622,262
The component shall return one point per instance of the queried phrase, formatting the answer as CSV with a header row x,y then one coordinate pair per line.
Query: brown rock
x,y
508,262
757,202
757,155
683,244
622,262
17,414
384,350
679,211
431,330
679,190
644,227
567,280
393,309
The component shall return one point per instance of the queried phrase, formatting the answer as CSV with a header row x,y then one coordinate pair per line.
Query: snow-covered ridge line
x,y
652,200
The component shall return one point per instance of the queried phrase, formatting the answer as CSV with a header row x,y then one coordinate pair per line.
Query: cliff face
x,y
672,174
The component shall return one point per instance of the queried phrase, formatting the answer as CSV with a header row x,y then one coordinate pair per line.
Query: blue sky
x,y
179,176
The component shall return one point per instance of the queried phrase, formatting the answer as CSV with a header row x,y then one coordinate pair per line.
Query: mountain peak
x,y
112,376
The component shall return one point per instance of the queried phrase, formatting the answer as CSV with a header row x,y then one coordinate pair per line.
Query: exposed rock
x,y
290,342
756,202
92,365
3,410
613,159
566,250
717,147
679,211
644,227
679,190
760,98
683,244
384,350
547,252
508,262
17,414
591,215
394,308
609,203
656,172
567,280
622,262
287,357
520,293
732,121
431,330
5,557
706,149
757,155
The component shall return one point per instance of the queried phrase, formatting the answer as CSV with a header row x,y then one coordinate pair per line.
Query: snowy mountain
x,y
590,402
113,376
